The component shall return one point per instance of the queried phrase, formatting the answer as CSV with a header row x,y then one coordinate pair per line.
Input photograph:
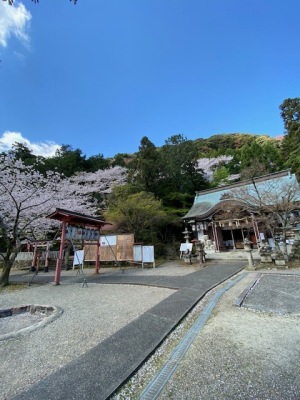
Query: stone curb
x,y
23,331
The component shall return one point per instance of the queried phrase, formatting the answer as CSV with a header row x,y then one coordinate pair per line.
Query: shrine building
x,y
222,221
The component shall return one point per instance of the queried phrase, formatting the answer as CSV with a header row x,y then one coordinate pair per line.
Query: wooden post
x,y
215,234
97,253
233,242
61,254
47,257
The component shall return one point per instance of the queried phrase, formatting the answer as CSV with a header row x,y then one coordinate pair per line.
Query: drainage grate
x,y
154,388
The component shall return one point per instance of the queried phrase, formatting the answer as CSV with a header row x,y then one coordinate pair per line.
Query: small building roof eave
x,y
74,218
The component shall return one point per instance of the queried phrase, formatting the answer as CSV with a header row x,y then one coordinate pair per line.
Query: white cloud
x,y
45,149
14,21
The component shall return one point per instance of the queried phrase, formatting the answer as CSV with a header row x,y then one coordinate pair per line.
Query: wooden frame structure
x,y
70,218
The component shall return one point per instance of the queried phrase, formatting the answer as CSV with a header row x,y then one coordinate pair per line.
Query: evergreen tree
x,y
179,171
67,161
94,163
145,167
290,113
21,152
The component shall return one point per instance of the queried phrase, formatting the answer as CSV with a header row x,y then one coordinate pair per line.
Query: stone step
x,y
231,255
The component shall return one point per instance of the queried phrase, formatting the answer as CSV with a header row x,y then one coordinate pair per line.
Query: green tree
x,y
94,163
145,167
136,212
290,113
217,145
179,173
262,154
21,152
121,159
66,161
220,176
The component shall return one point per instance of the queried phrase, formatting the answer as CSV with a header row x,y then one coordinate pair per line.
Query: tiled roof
x,y
75,218
207,201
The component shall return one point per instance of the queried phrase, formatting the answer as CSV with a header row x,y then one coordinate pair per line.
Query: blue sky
x,y
104,73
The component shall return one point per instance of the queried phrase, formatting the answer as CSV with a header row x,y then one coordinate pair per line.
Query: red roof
x,y
74,218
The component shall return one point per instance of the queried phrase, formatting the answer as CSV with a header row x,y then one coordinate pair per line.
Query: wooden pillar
x,y
215,234
97,253
243,236
232,237
61,254
47,257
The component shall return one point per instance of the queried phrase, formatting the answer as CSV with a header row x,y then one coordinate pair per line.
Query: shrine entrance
x,y
76,226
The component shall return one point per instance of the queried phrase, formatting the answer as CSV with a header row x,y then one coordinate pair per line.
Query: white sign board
x,y
143,254
148,254
137,253
186,246
78,257
110,240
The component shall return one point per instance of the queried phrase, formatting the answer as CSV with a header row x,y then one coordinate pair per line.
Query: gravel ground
x,y
240,354
90,314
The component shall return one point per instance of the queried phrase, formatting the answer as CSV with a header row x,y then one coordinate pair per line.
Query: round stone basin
x,y
19,320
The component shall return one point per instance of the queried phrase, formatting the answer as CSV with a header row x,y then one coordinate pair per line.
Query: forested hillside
x,y
156,185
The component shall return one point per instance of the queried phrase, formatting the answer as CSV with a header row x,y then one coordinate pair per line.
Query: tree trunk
x,y
6,267
284,246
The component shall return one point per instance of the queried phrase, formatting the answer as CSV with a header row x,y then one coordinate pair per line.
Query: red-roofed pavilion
x,y
79,220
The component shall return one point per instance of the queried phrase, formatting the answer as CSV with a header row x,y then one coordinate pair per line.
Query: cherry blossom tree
x,y
27,196
100,181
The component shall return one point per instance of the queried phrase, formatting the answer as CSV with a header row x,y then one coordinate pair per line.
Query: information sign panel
x,y
110,240
148,254
78,257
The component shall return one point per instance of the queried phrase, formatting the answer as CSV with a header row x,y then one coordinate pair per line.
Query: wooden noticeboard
x,y
112,248
125,247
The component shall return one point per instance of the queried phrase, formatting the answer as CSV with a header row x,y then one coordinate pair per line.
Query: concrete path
x,y
98,373
275,293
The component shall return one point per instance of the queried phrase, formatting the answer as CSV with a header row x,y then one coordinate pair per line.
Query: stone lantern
x,y
186,234
200,250
265,253
248,249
